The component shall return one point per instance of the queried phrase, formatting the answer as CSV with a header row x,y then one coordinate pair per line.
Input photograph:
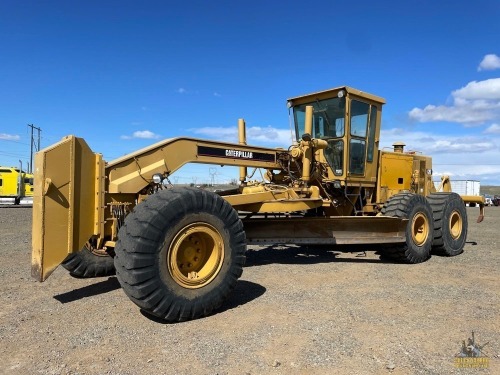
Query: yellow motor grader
x,y
179,251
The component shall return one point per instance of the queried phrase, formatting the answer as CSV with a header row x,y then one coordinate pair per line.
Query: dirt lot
x,y
294,311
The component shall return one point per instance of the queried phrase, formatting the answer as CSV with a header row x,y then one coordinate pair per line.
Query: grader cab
x,y
178,252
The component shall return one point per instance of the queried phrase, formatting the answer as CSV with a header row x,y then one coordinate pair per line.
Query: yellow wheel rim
x,y
419,229
455,225
195,255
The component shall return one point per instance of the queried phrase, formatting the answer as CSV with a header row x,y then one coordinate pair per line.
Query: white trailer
x,y
463,187
466,187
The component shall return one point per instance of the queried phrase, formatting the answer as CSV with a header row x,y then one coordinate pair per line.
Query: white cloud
x,y
141,134
493,129
462,114
486,174
482,90
255,135
9,137
489,62
270,135
473,104
217,94
431,144
181,90
461,157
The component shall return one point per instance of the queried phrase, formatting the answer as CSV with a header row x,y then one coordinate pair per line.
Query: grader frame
x,y
332,186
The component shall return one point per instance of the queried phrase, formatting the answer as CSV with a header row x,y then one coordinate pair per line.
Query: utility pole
x,y
30,169
212,172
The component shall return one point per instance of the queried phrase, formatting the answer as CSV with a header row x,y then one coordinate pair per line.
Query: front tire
x,y
89,263
450,223
419,231
180,253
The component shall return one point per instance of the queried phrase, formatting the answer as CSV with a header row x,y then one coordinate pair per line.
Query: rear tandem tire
x,y
450,223
419,231
85,264
180,253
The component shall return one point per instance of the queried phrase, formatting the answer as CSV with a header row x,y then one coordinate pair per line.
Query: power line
x,y
212,172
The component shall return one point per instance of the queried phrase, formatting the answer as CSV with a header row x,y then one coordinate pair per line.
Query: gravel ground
x,y
294,311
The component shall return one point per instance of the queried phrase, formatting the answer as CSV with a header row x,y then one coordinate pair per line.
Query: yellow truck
x,y
15,184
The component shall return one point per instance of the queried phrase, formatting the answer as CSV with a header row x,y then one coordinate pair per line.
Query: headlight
x,y
157,178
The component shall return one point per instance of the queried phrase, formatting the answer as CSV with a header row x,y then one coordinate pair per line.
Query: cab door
x,y
358,121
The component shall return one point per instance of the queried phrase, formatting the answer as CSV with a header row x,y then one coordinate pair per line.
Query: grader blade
x,y
326,231
67,202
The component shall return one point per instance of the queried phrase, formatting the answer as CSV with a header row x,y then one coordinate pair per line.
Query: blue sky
x,y
125,74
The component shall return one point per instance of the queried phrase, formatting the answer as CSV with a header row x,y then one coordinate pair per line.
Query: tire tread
x,y
141,238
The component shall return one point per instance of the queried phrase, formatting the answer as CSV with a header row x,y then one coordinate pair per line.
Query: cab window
x,y
357,156
359,118
334,155
357,145
371,133
328,118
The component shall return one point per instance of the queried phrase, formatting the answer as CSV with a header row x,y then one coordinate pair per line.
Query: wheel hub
x,y
419,229
195,255
455,225
96,252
